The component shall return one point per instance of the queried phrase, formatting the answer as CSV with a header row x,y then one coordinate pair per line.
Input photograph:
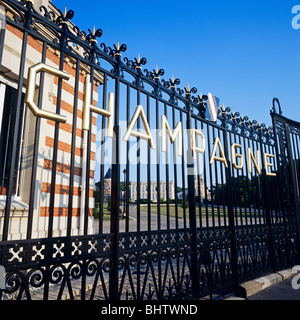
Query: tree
x,y
244,191
122,186
109,205
248,192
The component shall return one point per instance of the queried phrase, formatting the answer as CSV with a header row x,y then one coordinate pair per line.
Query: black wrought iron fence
x,y
187,206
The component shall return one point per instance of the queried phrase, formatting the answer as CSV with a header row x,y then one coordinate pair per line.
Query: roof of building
x,y
108,174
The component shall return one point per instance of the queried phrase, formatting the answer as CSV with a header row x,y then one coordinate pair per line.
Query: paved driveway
x,y
279,291
143,221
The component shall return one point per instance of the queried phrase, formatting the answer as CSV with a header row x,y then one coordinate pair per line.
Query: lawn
x,y
210,211
172,210
106,212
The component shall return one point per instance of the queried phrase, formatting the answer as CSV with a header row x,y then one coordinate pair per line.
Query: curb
x,y
249,288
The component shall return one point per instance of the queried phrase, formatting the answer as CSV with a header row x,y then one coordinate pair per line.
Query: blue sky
x,y
244,52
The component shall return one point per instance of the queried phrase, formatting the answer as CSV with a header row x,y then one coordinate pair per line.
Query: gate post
x,y
283,145
192,203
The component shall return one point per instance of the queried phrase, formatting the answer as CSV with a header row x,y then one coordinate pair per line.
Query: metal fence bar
x,y
101,204
209,144
86,183
167,157
245,180
175,174
205,164
115,194
157,165
138,168
56,136
198,182
232,233
266,205
138,275
127,158
16,130
148,171
35,152
183,175
73,144
192,204
235,183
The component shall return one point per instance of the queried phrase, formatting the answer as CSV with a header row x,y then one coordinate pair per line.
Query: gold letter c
x,y
41,67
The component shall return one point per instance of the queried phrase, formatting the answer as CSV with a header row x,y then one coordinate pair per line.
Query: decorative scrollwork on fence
x,y
159,259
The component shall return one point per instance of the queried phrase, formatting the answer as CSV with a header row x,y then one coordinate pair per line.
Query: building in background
x,y
205,194
106,186
9,80
153,190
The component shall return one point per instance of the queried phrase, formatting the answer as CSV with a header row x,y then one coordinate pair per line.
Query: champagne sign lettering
x,y
198,140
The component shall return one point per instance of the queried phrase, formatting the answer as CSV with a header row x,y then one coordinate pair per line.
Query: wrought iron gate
x,y
200,218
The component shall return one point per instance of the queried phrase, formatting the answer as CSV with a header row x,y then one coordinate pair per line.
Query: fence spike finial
x,y
276,100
